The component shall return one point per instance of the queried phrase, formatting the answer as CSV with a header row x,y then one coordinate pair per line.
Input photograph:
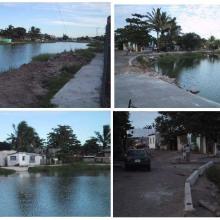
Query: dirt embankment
x,y
27,85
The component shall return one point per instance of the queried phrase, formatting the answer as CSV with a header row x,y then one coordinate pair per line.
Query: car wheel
x,y
149,168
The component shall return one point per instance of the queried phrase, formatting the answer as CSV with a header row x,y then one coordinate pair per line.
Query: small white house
x,y
24,159
3,156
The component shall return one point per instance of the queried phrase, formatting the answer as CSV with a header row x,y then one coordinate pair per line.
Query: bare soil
x,y
25,86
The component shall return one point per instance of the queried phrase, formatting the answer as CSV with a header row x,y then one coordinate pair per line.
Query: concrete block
x,y
188,198
204,167
193,177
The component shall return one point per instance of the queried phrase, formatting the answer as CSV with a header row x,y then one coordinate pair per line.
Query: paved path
x,y
148,92
159,193
83,90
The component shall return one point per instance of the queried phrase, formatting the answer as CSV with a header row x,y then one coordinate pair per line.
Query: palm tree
x,y
24,137
158,22
105,138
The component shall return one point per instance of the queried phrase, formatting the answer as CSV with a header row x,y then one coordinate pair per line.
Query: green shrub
x,y
68,169
86,54
42,57
6,172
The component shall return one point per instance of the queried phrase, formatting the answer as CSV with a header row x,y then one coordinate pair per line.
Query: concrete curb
x,y
190,181
188,198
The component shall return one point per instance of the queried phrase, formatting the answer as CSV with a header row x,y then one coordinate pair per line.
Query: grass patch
x,y
67,73
170,58
42,57
56,83
97,46
143,61
213,174
6,172
85,54
68,169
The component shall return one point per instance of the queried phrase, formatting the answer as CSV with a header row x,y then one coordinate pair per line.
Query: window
x,y
23,158
12,157
32,159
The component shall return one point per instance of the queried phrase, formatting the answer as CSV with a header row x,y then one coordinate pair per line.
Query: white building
x,y
24,159
3,156
199,143
152,141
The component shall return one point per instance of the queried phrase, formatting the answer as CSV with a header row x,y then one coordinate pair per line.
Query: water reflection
x,y
42,195
13,56
195,73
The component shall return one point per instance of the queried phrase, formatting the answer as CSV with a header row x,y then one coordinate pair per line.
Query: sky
x,y
84,124
201,19
141,119
73,19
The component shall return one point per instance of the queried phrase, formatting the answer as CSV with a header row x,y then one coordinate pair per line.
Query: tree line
x,y
24,138
33,34
172,124
169,125
168,33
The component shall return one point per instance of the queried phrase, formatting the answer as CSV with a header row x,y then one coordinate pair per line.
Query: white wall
x,y
3,156
12,162
201,143
23,159
152,141
37,161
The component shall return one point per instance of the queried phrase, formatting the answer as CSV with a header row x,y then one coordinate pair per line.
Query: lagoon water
x,y
84,194
201,74
13,56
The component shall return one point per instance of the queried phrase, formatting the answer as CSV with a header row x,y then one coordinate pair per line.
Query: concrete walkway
x,y
83,90
148,92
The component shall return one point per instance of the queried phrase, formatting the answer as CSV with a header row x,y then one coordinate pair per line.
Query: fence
x,y
106,82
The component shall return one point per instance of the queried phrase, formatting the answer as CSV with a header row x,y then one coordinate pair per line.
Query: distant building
x,y
88,159
152,141
5,40
199,143
139,135
103,156
25,159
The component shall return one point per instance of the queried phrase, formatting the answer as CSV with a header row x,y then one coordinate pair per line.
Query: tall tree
x,y
104,139
121,127
64,138
34,33
190,41
91,147
170,124
24,137
159,22
136,32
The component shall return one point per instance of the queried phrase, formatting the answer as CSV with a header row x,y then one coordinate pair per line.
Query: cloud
x,y
82,22
202,19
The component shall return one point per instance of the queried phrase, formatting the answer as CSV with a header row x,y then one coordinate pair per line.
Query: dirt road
x,y
157,193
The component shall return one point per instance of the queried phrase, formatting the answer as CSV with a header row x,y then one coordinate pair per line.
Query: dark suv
x,y
137,158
